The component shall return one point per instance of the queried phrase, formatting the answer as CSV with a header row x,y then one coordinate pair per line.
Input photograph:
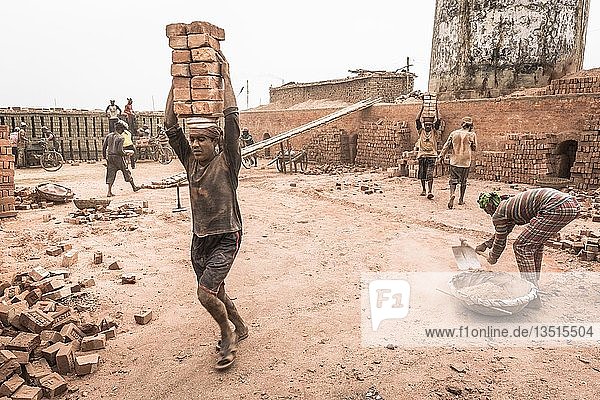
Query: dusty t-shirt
x,y
213,196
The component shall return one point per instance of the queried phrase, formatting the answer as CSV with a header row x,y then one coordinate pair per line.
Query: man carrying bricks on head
x,y
426,148
113,153
217,222
544,211
462,143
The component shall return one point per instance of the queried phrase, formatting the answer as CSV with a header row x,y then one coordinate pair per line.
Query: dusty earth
x,y
297,283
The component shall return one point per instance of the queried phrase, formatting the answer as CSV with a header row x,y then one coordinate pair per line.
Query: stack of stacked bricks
x,y
380,144
524,159
196,71
429,105
7,175
575,85
325,147
586,169
592,122
79,132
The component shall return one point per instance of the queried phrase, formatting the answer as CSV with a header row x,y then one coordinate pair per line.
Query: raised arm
x,y
232,124
177,139
418,122
437,123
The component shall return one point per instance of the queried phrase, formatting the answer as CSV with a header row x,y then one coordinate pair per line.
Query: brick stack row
x,y
592,122
7,175
575,85
327,147
586,169
524,159
380,144
79,132
196,70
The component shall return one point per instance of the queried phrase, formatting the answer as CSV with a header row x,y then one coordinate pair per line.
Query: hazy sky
x,y
80,54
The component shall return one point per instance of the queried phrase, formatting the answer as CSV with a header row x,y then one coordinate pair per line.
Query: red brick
x,y
204,54
178,42
144,317
178,29
207,82
180,70
53,385
202,40
207,107
205,68
207,94
11,385
181,56
86,364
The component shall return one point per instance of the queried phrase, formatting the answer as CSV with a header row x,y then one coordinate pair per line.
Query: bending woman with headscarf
x,y
545,211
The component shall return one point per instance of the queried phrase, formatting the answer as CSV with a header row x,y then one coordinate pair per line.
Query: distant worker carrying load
x,y
426,147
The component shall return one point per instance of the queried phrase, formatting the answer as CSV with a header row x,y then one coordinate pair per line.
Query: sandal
x,y
239,339
225,361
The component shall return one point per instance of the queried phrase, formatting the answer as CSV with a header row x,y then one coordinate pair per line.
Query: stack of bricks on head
x,y
196,70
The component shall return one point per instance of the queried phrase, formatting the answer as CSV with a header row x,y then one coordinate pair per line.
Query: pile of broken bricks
x,y
171,181
590,204
365,186
70,258
43,339
332,169
586,245
26,198
88,215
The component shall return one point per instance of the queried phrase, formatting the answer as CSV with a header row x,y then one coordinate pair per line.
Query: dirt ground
x,y
296,281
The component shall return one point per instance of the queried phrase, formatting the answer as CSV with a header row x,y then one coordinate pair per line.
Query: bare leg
x,y
240,327
110,193
452,196
424,192
430,187
216,308
463,189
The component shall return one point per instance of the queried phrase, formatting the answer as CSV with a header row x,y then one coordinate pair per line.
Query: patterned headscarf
x,y
487,198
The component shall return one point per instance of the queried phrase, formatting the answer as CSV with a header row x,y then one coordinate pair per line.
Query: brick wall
x,y
7,175
381,143
527,157
329,144
388,85
79,132
494,119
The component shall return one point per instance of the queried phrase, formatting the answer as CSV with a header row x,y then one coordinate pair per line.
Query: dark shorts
x,y
458,175
212,257
114,164
426,168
